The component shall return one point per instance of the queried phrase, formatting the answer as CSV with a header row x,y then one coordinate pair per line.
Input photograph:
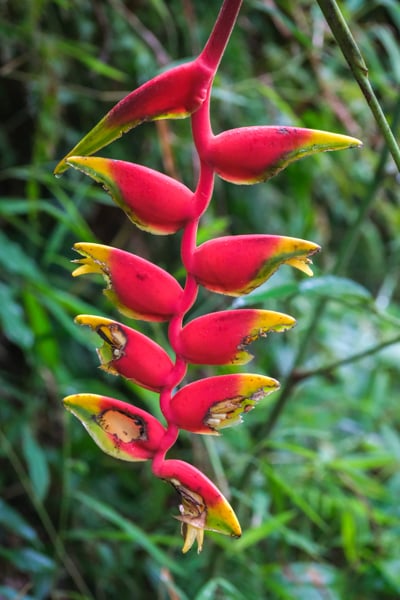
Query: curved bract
x,y
211,404
129,353
248,155
202,507
255,259
118,428
174,94
136,286
221,338
154,202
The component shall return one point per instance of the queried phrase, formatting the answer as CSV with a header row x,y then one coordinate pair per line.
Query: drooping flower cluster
x,y
161,205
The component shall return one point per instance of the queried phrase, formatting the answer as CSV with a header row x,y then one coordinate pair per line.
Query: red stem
x,y
168,440
202,134
213,50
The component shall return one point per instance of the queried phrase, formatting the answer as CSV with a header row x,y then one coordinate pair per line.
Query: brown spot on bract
x,y
125,428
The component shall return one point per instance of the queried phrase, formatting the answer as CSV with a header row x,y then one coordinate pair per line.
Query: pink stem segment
x,y
216,43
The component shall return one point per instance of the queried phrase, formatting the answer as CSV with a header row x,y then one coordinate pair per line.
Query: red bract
x,y
255,259
211,404
221,338
153,201
129,353
136,286
173,94
253,154
118,428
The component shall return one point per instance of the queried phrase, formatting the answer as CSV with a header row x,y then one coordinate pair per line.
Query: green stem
x,y
352,54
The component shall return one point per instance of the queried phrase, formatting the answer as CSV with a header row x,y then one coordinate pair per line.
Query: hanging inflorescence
x,y
230,265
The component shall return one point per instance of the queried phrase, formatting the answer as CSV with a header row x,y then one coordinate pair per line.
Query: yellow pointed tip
x,y
95,167
93,321
98,252
80,404
68,402
326,140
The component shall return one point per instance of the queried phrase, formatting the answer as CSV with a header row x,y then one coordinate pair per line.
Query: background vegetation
x,y
315,478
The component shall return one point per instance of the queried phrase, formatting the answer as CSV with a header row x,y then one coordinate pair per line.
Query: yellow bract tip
x,y
93,321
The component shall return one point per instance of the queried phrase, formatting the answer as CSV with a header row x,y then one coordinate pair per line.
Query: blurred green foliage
x,y
316,489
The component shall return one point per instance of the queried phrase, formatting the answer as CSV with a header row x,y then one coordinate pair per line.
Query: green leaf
x,y
12,319
250,537
12,520
335,288
46,346
297,499
215,586
391,571
29,560
83,53
9,593
135,533
35,458
13,259
267,292
349,535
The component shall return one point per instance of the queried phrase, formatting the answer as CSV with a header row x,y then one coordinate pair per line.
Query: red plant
x,y
160,205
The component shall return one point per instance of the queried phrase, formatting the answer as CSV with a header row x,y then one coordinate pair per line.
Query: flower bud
x,y
211,404
154,202
221,338
120,429
255,259
137,287
129,353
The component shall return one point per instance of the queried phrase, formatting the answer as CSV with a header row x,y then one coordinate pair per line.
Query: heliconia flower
x,y
211,404
120,429
174,94
129,353
202,507
249,155
136,286
236,265
221,338
153,201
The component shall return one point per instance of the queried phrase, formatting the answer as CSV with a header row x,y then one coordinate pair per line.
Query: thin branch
x,y
326,369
